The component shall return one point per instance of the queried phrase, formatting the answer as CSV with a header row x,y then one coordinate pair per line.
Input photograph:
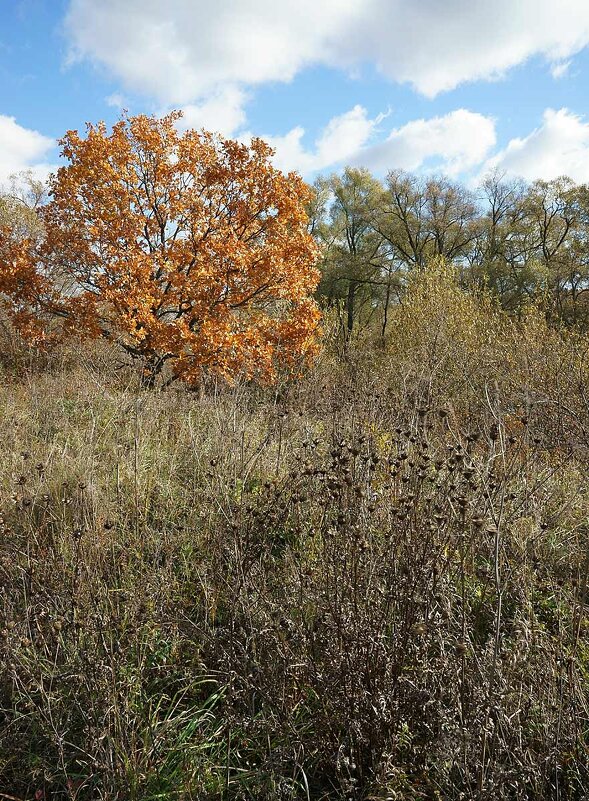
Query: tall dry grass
x,y
369,584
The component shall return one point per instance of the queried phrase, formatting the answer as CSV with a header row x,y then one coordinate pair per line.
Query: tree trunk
x,y
350,308
385,318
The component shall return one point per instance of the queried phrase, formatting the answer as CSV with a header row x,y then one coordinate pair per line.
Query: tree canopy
x,y
183,248
526,244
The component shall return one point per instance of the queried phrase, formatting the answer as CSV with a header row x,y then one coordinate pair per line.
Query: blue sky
x,y
460,86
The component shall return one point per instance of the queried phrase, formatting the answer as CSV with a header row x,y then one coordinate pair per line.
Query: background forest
x,y
526,244
368,580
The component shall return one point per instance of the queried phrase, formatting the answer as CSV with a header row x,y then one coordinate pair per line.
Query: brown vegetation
x,y
368,584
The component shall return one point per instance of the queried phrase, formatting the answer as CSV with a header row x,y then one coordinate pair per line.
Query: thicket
x,y
370,583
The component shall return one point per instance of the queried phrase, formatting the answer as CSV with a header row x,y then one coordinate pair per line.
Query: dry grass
x,y
368,585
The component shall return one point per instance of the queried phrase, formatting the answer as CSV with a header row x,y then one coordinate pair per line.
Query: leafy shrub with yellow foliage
x,y
453,346
443,339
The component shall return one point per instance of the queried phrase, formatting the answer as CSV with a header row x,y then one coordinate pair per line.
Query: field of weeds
x,y
367,584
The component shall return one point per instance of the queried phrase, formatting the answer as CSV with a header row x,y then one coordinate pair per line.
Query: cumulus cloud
x,y
340,141
559,146
453,143
437,46
22,149
222,112
184,50
208,58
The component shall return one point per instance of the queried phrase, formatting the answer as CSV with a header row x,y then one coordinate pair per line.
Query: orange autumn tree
x,y
186,249
25,294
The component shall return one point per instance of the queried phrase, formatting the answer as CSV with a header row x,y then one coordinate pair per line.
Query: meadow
x,y
368,582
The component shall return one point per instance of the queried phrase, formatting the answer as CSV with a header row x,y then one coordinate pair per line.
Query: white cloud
x,y
207,58
116,100
560,69
559,146
22,149
222,112
453,144
346,134
290,153
184,50
436,46
339,142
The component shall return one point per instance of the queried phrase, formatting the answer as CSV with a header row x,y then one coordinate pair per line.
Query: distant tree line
x,y
524,243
